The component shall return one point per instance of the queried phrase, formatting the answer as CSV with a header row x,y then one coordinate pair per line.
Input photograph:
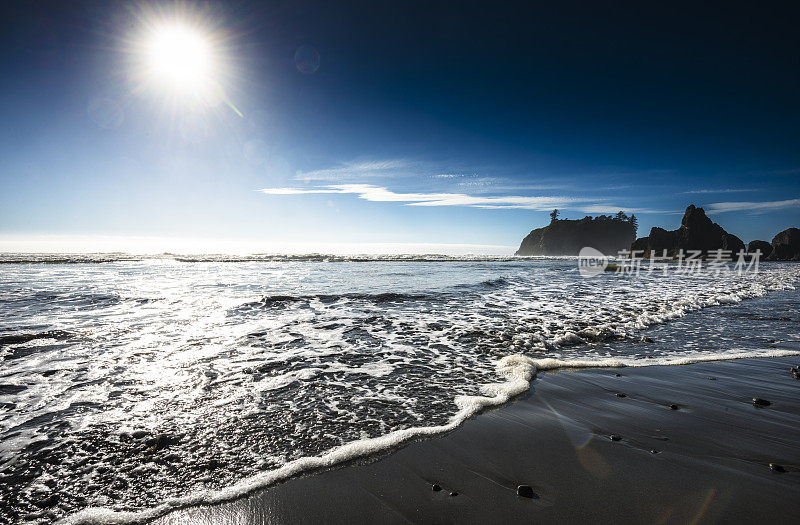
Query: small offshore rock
x,y
525,491
757,401
673,407
795,372
774,467
647,340
618,375
454,494
436,487
620,394
139,434
712,378
615,437
654,451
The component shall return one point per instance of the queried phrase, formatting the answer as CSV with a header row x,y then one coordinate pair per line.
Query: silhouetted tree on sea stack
x,y
554,215
635,222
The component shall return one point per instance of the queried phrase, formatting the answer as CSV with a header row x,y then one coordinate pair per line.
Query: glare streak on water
x,y
124,383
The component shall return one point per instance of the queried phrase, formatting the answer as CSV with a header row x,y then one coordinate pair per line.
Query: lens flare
x,y
307,59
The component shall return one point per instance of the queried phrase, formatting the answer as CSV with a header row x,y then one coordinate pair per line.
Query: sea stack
x,y
786,246
607,234
697,232
763,246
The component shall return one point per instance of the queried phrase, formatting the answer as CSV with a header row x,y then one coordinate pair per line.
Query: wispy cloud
x,y
724,190
606,209
380,194
538,202
494,185
792,171
357,170
755,207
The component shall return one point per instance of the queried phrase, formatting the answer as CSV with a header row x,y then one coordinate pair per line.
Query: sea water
x,y
131,385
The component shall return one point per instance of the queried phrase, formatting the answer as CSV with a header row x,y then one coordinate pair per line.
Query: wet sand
x,y
705,460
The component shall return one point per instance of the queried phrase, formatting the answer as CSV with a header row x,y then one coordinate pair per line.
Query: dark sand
x,y
711,465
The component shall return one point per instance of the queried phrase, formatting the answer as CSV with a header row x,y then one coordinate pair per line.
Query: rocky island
x,y
697,232
607,234
786,246
611,235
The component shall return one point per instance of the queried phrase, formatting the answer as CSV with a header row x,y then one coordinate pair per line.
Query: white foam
x,y
517,369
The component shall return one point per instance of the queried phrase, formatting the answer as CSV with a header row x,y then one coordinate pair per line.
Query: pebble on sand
x,y
774,467
757,401
525,491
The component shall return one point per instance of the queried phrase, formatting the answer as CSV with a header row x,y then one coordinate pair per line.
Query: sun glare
x,y
180,59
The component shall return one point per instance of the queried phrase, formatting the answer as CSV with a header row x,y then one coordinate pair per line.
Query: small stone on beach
x,y
436,487
774,467
615,437
525,491
757,401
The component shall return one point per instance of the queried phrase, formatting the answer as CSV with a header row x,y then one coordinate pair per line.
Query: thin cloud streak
x,y
755,207
537,203
725,190
356,170
602,209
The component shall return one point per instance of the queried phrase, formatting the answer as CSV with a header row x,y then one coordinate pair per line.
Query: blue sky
x,y
423,123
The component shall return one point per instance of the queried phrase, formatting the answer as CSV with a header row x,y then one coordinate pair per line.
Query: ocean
x,y
134,384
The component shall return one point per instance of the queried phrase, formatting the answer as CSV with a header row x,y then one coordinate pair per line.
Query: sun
x,y
180,59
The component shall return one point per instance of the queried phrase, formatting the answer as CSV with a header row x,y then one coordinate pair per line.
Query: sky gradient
x,y
428,122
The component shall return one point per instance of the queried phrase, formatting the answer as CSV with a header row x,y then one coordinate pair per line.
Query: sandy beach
x,y
688,446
